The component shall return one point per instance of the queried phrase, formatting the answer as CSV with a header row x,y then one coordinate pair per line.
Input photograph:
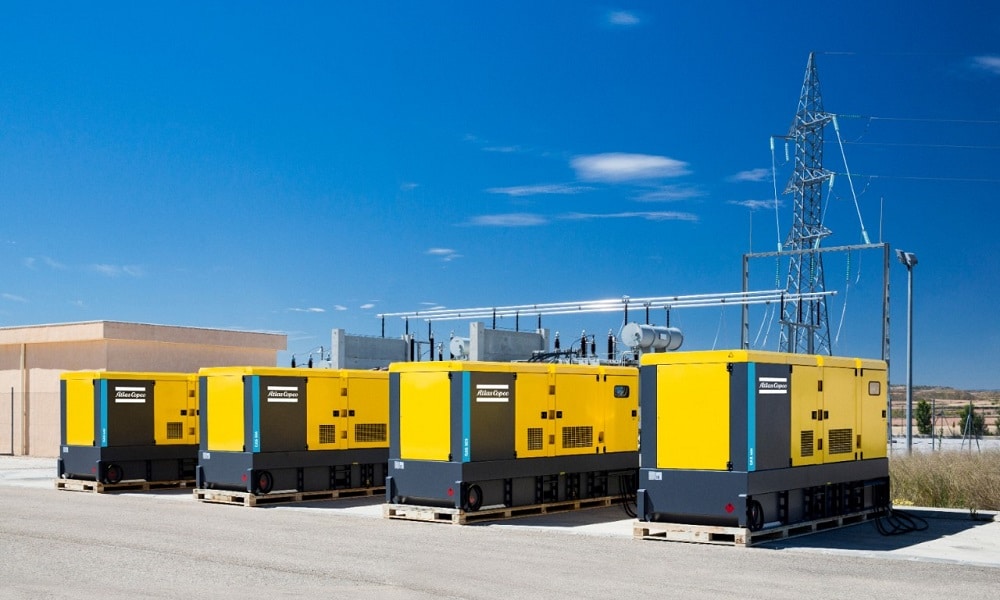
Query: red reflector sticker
x,y
730,508
243,477
451,492
93,469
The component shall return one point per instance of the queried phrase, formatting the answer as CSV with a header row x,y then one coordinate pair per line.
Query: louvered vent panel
x,y
370,432
578,437
534,438
175,430
807,443
841,441
327,434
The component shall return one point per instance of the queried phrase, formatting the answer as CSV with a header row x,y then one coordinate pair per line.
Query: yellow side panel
x,y
534,430
425,415
224,403
170,409
621,413
368,398
840,420
807,429
80,419
692,416
324,431
872,389
579,413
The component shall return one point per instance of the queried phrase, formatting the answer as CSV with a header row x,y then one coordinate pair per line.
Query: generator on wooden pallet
x,y
119,426
467,435
277,429
761,439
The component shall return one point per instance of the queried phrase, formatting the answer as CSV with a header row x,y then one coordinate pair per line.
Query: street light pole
x,y
909,260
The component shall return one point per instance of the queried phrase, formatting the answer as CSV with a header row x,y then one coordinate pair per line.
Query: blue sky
x,y
302,167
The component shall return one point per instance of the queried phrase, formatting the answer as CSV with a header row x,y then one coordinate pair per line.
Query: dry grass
x,y
947,479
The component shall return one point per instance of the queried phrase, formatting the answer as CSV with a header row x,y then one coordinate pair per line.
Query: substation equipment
x,y
467,435
754,439
119,426
268,429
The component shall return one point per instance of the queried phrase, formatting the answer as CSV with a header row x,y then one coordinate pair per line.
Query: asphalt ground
x,y
164,544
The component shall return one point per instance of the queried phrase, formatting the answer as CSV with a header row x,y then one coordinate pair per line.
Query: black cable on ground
x,y
627,488
889,521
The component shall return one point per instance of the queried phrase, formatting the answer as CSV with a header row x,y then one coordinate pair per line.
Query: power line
x,y
922,119
927,178
921,145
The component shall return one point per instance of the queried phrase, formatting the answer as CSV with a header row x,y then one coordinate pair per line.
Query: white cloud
x,y
617,167
988,63
13,297
623,18
117,270
368,306
509,220
752,175
445,254
502,149
312,309
408,186
754,204
645,215
533,190
339,307
670,193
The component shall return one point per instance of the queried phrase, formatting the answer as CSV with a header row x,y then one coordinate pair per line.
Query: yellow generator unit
x,y
117,426
270,429
753,439
473,434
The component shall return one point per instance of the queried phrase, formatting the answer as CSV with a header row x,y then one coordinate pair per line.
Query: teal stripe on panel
x,y
751,416
466,416
255,410
103,386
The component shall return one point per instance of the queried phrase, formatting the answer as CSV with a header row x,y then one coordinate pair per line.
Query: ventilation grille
x,y
578,437
534,438
175,430
370,432
807,443
841,441
327,434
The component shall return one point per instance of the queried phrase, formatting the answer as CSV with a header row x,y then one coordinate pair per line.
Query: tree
x,y
978,421
923,416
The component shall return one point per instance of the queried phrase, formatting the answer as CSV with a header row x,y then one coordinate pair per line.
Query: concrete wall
x,y
33,358
503,346
364,352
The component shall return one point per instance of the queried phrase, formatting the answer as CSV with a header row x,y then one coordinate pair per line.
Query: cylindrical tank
x,y
656,338
459,347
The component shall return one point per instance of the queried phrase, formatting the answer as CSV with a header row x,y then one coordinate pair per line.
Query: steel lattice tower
x,y
805,328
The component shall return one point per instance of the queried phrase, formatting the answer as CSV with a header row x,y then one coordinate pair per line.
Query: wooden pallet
x,y
457,516
741,536
137,485
250,499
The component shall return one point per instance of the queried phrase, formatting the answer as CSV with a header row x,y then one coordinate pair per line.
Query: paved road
x,y
165,545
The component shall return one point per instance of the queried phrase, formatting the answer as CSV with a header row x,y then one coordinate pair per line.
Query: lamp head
x,y
907,258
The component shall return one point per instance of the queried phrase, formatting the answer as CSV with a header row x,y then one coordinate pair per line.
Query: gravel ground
x,y
56,544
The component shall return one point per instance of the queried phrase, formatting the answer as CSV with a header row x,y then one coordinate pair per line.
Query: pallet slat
x,y
98,487
457,516
741,536
249,499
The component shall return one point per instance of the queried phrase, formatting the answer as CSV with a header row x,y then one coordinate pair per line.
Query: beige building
x,y
32,359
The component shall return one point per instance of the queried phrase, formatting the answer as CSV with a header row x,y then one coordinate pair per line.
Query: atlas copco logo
x,y
772,385
130,394
282,393
492,392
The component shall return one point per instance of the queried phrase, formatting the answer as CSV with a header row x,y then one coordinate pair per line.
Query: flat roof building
x,y
32,358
